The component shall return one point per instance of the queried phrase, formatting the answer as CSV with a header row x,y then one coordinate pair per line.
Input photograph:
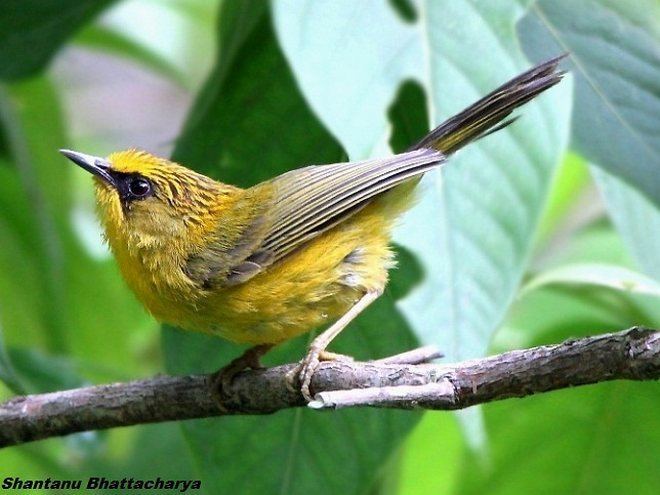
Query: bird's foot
x,y
222,380
300,378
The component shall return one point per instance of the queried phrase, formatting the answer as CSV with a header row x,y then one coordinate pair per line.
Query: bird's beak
x,y
93,164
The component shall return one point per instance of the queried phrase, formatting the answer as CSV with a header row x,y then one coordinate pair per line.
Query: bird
x,y
307,249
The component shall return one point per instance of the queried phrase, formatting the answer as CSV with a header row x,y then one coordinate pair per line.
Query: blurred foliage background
x,y
545,231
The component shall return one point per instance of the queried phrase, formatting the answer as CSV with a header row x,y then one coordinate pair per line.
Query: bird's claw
x,y
306,370
220,383
222,380
300,378
291,379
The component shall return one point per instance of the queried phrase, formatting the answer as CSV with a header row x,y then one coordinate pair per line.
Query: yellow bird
x,y
265,264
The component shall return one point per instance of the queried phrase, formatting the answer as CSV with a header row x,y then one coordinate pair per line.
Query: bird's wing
x,y
274,218
313,199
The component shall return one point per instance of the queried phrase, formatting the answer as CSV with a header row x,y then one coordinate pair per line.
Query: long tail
x,y
487,115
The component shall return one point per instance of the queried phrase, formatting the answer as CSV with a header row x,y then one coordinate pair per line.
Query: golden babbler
x,y
265,264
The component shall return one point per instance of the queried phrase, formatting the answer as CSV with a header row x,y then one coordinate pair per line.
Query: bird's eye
x,y
139,187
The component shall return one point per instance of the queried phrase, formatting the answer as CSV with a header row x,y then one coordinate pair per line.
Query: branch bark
x,y
633,354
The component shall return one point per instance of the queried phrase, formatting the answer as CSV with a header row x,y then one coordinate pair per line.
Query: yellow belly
x,y
309,288
312,287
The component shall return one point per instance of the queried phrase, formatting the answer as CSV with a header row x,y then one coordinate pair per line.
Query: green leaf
x,y
636,218
572,441
45,373
42,190
248,124
435,442
578,440
569,183
20,304
8,375
600,274
145,452
31,31
66,301
117,43
472,229
615,50
553,312
569,441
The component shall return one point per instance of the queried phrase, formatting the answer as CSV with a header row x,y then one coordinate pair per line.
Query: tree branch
x,y
633,354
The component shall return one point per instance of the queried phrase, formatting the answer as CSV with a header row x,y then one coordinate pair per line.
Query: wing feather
x,y
326,214
337,190
311,200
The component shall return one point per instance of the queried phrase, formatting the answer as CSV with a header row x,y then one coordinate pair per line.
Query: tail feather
x,y
482,118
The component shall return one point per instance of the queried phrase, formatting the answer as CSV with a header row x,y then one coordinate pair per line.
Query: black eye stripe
x,y
132,187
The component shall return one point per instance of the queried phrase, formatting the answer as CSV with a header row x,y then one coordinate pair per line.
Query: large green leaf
x,y
572,441
569,184
115,42
615,46
31,31
68,319
38,201
615,50
8,375
597,439
429,464
248,124
577,440
66,301
577,306
596,274
544,315
472,229
636,218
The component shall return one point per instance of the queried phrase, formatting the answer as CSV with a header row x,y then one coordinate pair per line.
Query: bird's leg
x,y
316,352
249,359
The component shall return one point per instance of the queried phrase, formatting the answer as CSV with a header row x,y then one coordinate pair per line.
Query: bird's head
x,y
145,200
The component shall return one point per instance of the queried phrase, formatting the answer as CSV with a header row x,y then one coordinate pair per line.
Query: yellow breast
x,y
309,288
